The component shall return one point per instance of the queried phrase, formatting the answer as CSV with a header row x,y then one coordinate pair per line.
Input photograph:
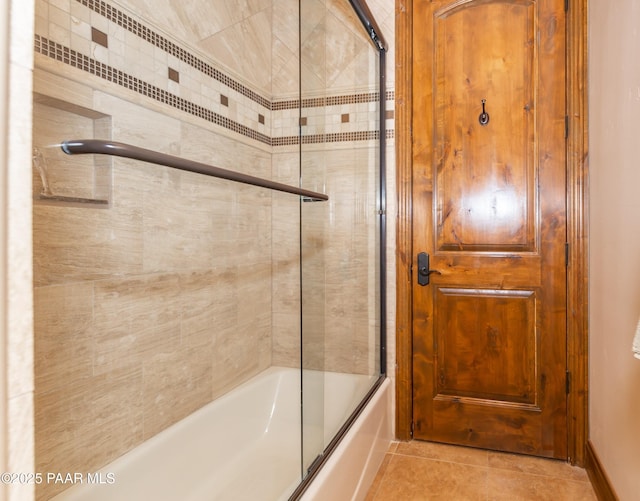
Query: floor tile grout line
x,y
489,467
437,459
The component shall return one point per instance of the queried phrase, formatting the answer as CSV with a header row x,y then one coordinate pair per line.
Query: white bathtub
x,y
246,446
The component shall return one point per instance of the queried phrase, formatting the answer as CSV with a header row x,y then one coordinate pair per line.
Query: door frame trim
x,y
577,225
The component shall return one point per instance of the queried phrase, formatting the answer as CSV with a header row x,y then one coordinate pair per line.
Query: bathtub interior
x,y
160,293
243,446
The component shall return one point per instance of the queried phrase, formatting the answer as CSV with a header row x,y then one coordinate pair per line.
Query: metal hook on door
x,y
484,116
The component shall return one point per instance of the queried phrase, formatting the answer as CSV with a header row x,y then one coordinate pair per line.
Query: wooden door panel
x,y
485,173
483,427
489,342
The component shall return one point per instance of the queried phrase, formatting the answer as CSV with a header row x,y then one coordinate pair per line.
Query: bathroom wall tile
x,y
117,51
64,5
80,30
243,348
250,37
59,13
285,40
175,385
254,302
80,43
209,299
177,221
99,22
135,318
198,144
252,239
79,13
313,64
341,64
286,339
312,15
59,26
41,18
138,125
80,428
286,267
91,244
236,358
286,280
63,319
60,88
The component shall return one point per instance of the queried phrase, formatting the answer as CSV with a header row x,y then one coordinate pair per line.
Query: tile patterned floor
x,y
417,471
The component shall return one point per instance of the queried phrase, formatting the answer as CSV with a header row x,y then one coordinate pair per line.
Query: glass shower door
x,y
313,238
341,239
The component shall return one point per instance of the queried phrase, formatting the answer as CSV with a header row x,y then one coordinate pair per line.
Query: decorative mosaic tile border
x,y
314,133
156,39
127,22
73,58
337,137
321,102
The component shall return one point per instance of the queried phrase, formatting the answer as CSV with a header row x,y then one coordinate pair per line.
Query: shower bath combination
x,y
202,331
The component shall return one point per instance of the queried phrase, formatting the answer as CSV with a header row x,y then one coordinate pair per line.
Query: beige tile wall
x,y
149,309
186,286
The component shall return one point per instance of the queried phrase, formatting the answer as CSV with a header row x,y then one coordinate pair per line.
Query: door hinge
x,y
566,126
566,255
568,382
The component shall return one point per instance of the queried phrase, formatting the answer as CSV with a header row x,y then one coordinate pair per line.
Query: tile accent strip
x,y
156,39
73,58
66,55
321,102
99,37
337,137
148,35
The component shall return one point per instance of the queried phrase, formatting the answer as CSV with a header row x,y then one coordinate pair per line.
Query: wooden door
x,y
489,330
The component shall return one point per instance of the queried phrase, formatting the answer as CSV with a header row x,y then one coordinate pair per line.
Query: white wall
x,y
16,342
614,281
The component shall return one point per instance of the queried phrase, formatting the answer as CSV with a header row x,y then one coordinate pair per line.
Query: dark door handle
x,y
423,269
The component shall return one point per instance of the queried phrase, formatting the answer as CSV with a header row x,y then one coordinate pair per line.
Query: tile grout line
x,y
489,467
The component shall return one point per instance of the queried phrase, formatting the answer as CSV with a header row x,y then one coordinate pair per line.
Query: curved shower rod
x,y
104,147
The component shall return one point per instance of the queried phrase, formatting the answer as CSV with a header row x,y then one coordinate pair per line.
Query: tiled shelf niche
x,y
61,179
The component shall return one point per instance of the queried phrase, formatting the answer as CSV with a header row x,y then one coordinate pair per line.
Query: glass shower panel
x,y
340,239
352,166
313,238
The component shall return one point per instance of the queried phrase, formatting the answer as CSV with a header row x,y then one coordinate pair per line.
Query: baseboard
x,y
601,484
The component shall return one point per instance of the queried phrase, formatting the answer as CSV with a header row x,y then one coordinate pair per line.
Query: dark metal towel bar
x,y
103,147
